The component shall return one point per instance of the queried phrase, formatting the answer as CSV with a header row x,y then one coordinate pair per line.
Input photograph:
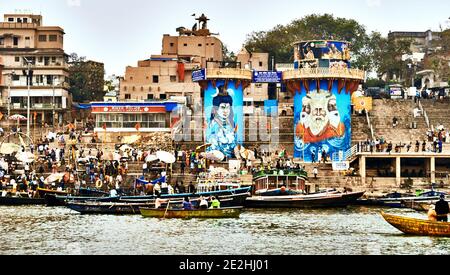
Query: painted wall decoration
x,y
322,118
224,116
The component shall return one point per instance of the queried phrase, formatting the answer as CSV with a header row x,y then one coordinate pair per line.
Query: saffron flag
x,y
137,126
104,126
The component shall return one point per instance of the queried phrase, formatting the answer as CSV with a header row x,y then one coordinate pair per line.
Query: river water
x,y
351,231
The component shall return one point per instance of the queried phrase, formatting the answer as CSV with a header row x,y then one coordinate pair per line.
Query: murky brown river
x,y
351,231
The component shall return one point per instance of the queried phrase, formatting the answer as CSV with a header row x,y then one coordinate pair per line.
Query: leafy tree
x,y
278,41
86,79
371,52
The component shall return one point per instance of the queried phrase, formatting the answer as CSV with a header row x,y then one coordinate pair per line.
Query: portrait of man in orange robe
x,y
320,119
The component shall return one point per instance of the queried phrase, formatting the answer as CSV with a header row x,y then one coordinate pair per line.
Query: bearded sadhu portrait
x,y
320,119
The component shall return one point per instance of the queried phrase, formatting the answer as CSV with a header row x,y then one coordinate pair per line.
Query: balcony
x,y
314,73
35,106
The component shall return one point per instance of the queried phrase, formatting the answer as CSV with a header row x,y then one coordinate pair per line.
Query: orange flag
x,y
1,116
104,126
138,126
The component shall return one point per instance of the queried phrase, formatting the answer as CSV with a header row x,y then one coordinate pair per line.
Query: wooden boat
x,y
107,208
62,200
321,200
21,201
55,200
42,192
397,200
220,213
130,208
418,227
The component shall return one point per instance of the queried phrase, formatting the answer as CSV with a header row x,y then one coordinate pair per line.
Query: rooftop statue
x,y
196,31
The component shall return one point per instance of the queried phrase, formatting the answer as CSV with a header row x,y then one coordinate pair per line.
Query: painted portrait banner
x,y
322,120
224,116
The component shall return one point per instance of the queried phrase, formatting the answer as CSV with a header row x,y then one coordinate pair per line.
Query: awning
x,y
81,106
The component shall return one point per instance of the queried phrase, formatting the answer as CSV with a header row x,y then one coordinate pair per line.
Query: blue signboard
x,y
199,75
266,77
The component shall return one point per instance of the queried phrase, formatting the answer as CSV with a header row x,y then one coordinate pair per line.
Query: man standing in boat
x,y
442,209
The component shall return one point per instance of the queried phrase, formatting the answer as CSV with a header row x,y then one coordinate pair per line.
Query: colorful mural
x,y
224,116
322,119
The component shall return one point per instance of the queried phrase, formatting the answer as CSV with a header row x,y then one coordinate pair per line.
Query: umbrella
x,y
214,155
151,158
203,147
55,177
166,157
9,148
125,147
51,135
18,118
26,157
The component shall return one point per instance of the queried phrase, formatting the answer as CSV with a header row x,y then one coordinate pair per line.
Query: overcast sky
x,y
120,32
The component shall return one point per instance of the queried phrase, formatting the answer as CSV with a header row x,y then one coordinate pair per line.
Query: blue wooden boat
x,y
62,200
132,208
321,200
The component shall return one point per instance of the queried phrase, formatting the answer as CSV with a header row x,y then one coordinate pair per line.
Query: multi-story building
x,y
421,42
168,75
26,44
256,93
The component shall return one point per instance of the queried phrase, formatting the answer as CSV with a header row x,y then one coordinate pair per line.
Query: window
x,y
42,38
260,63
2,41
134,89
155,79
16,41
185,45
149,97
40,59
142,89
25,20
53,59
200,45
173,78
212,44
52,38
131,78
15,77
10,19
171,44
125,88
27,38
162,96
127,96
17,59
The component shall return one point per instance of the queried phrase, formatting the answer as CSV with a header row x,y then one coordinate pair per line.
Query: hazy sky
x,y
120,32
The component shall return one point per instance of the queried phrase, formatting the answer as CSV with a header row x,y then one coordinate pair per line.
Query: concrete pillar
x,y
362,169
398,169
433,169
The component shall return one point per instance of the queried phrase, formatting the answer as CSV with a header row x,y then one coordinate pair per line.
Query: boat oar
x,y
167,208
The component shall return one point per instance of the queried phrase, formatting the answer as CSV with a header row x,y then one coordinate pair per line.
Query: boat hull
x,y
121,208
221,213
418,227
317,201
21,201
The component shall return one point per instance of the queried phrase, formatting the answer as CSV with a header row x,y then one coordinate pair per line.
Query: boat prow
x,y
418,227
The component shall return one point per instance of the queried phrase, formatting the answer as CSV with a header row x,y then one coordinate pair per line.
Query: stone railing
x,y
229,73
324,73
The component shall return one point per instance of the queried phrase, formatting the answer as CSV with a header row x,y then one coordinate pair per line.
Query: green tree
x,y
86,79
278,41
386,55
